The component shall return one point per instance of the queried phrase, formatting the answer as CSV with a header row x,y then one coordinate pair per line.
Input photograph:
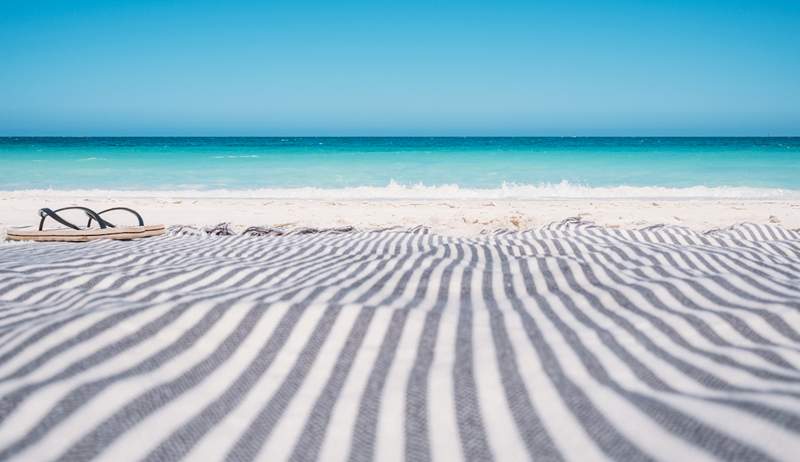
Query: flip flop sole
x,y
84,235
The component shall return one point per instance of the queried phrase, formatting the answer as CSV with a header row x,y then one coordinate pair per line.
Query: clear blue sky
x,y
411,67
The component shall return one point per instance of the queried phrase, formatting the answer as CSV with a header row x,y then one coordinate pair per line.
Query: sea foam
x,y
394,190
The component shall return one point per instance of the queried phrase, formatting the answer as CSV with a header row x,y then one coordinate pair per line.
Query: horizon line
x,y
399,136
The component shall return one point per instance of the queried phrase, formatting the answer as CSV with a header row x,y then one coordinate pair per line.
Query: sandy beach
x,y
448,217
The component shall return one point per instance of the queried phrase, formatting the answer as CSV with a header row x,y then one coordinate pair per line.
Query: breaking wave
x,y
562,190
250,156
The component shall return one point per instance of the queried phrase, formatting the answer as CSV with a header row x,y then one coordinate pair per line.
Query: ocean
x,y
375,167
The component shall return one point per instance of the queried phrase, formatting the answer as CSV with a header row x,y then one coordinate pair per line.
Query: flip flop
x,y
73,233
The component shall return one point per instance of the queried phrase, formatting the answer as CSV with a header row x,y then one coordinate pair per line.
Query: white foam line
x,y
394,190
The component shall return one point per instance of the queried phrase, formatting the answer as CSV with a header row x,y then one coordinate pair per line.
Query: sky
x,y
428,67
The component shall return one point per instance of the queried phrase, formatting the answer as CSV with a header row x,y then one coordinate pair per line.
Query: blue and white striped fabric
x,y
572,342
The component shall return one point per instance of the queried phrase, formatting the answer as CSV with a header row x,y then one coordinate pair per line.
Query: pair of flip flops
x,y
75,233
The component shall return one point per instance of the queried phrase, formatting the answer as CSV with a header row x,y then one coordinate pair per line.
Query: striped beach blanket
x,y
570,342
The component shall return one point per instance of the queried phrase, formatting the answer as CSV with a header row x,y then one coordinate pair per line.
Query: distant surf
x,y
394,190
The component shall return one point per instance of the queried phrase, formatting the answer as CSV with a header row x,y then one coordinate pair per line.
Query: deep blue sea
x,y
408,167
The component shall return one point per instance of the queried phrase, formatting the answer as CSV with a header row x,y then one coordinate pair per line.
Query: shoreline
x,y
457,217
394,191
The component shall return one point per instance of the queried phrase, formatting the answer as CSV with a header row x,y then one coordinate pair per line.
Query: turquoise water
x,y
519,166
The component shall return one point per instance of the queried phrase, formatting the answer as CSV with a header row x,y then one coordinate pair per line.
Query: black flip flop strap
x,y
46,212
126,209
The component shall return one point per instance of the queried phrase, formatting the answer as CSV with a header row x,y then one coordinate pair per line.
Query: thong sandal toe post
x,y
74,233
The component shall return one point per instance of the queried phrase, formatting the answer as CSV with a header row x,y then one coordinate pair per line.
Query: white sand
x,y
454,217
